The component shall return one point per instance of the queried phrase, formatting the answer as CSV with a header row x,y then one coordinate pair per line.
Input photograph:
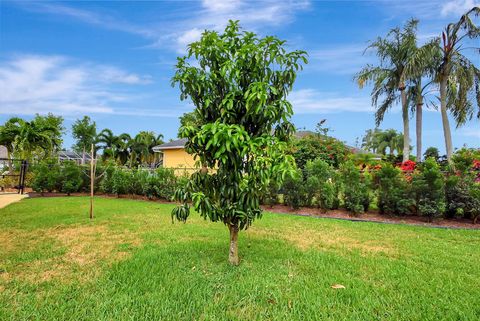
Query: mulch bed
x,y
370,216
373,216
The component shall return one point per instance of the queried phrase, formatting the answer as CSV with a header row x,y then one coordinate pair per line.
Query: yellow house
x,y
174,156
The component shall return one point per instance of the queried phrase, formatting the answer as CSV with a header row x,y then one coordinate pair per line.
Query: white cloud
x,y
458,7
40,84
221,6
253,15
188,37
311,101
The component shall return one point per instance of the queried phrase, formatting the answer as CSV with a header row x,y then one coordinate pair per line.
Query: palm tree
x,y
143,144
123,147
458,78
419,96
457,75
378,141
8,133
421,64
108,142
29,136
389,78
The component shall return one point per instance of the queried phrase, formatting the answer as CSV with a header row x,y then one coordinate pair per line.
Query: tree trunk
x,y
83,156
446,125
406,126
233,253
10,164
418,128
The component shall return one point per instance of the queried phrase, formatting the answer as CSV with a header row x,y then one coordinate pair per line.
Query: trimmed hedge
x,y
69,177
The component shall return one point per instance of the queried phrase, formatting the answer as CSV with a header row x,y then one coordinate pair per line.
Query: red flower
x,y
476,164
408,166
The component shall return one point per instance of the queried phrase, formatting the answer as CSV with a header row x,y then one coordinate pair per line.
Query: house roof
x,y
174,144
71,155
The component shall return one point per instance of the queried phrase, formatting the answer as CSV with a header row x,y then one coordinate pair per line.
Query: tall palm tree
x,y
457,77
419,94
421,67
389,78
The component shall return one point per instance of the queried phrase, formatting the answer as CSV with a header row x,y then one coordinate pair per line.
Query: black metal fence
x,y
13,171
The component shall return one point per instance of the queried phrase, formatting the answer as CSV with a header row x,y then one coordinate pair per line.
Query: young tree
x,y
84,132
239,89
389,78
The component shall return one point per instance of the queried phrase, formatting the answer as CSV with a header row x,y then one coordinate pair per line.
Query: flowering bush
x,y
464,159
476,164
312,147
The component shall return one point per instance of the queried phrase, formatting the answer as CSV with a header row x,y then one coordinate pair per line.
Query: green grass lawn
x,y
131,262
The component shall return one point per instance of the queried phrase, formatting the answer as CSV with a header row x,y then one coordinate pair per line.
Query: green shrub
x,y
165,183
356,188
320,185
121,181
46,176
429,187
475,197
462,196
106,183
293,189
394,193
270,194
70,179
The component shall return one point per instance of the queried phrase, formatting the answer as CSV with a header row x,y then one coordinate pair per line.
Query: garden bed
x,y
371,216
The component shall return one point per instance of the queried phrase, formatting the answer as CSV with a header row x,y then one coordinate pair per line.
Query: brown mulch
x,y
371,216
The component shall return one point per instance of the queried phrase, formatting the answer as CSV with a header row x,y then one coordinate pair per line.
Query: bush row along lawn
x,y
131,262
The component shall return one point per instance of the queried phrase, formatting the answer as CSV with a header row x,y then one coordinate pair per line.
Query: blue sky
x,y
113,60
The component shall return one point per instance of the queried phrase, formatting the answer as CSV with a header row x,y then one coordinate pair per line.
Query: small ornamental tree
x,y
238,84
